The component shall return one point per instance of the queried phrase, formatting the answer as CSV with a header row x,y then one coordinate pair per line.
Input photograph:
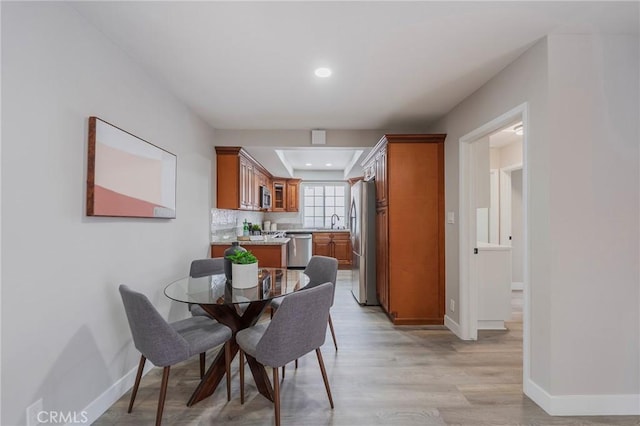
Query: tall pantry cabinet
x,y
409,175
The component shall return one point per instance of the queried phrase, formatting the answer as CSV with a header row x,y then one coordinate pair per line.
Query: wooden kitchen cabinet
x,y
333,244
293,195
369,169
342,248
322,244
382,257
381,177
238,179
246,184
269,255
409,175
279,196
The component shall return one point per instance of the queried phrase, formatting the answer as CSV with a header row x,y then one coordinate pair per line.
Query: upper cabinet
x,y
376,168
293,195
239,178
279,194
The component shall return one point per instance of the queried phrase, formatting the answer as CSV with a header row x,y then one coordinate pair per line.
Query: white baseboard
x,y
491,325
103,402
453,326
517,286
583,405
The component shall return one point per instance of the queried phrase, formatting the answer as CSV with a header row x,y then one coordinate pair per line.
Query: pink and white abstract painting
x,y
128,176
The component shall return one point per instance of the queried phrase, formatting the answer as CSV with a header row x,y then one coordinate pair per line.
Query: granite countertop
x,y
312,230
267,242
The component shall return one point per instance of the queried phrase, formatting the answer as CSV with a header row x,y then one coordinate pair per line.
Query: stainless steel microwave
x,y
265,197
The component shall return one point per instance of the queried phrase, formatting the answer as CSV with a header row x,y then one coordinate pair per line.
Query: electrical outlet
x,y
452,305
32,413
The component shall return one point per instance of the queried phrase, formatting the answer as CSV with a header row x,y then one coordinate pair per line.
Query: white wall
x,y
64,333
524,80
583,208
594,196
511,155
298,138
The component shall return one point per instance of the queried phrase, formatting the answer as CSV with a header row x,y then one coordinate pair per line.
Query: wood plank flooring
x,y
381,375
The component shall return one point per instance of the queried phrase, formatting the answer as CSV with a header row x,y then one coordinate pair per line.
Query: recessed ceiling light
x,y
308,164
328,164
518,130
323,72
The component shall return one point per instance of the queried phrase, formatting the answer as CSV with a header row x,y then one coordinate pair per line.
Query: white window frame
x,y
344,219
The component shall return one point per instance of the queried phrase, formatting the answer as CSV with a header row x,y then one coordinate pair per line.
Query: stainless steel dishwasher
x,y
299,250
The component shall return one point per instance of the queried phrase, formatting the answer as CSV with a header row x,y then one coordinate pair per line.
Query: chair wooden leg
x,y
137,383
333,333
276,395
227,367
324,376
163,394
241,376
203,357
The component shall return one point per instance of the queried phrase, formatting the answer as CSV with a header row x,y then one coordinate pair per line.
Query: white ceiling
x,y
288,162
505,136
396,65
320,159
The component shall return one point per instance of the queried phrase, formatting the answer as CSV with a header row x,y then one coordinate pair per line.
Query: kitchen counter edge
x,y
271,242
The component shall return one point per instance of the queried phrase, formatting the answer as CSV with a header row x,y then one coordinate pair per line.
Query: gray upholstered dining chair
x,y
165,344
320,269
298,327
202,268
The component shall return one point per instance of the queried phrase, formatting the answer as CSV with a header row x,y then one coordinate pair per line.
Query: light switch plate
x,y
451,217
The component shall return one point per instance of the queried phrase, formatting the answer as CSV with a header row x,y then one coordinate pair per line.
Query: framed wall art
x,y
128,176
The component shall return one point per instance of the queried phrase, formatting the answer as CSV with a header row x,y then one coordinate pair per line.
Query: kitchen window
x,y
320,201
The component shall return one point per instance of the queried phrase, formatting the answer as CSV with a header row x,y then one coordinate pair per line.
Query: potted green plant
x,y
244,269
255,230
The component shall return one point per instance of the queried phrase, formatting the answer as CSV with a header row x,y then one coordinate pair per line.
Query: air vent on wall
x,y
318,137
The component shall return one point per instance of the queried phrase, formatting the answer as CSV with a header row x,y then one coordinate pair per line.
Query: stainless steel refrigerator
x,y
363,242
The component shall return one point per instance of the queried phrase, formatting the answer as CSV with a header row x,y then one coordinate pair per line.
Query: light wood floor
x,y
381,375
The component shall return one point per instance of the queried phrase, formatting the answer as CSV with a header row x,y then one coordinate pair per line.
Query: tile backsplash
x,y
227,224
285,220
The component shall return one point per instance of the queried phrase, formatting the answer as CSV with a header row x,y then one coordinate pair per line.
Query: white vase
x,y
244,276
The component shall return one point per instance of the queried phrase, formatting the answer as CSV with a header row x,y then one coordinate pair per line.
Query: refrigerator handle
x,y
352,219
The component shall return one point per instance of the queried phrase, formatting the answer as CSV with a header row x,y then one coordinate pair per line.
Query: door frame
x,y
468,289
505,195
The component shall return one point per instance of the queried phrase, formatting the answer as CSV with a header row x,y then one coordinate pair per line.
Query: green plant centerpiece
x,y
244,269
242,258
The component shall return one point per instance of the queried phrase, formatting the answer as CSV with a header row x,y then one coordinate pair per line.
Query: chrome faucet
x,y
333,222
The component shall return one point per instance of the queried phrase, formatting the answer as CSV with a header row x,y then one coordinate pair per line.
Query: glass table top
x,y
215,289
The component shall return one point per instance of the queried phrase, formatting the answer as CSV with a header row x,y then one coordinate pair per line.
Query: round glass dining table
x,y
237,308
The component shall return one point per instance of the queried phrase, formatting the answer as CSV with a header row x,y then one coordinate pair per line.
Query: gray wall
x,y
583,207
64,333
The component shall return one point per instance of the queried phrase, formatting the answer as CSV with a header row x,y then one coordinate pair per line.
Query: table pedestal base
x,y
229,316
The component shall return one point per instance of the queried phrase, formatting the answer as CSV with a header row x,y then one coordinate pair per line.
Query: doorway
x,y
472,195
